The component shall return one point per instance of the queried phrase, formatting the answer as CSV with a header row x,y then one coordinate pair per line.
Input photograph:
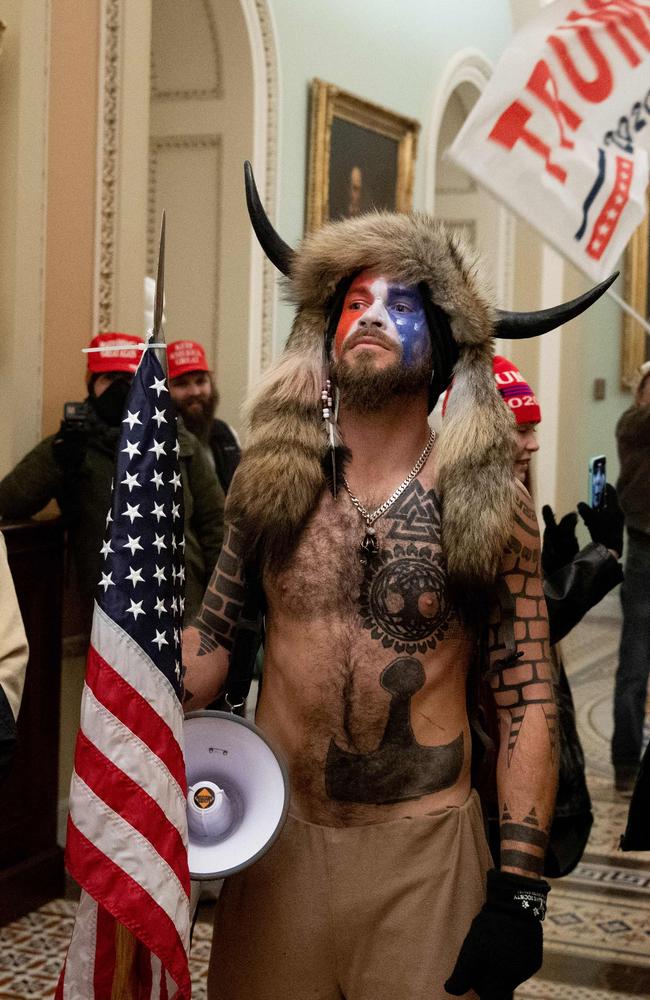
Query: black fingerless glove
x,y
503,946
560,544
605,524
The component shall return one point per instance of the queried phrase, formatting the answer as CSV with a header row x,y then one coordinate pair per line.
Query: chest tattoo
x,y
403,599
400,768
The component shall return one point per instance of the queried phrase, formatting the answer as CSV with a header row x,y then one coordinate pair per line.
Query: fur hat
x,y
281,477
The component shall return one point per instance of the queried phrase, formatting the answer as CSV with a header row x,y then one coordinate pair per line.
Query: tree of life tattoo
x,y
400,768
224,598
520,675
403,600
523,844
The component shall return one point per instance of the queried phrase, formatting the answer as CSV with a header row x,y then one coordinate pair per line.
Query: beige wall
x,y
72,160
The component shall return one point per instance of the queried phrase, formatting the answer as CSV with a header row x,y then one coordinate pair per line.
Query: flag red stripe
x,y
128,705
125,797
129,903
104,954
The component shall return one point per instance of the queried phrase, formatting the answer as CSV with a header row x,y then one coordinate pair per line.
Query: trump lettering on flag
x,y
127,829
561,132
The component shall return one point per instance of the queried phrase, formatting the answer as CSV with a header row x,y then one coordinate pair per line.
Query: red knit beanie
x,y
515,391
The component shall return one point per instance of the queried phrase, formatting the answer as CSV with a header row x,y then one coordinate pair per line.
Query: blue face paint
x,y
406,309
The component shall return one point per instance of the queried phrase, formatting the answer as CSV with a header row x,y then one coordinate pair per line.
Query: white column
x,y
548,387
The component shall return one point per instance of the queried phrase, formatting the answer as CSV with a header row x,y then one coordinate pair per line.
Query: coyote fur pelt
x,y
280,477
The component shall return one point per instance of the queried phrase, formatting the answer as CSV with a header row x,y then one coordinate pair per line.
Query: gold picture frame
x,y
635,345
361,156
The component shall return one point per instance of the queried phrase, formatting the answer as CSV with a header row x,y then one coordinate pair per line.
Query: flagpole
x,y
626,307
125,978
125,985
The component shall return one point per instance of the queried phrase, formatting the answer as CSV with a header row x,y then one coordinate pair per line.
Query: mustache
x,y
379,338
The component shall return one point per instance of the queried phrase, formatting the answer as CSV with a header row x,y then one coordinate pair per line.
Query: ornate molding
x,y
109,104
189,94
267,39
153,221
266,123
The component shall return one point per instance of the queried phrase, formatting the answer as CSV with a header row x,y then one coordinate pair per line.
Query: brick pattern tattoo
x,y
520,674
523,844
224,598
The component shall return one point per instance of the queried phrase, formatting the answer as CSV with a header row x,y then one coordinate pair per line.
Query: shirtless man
x,y
371,890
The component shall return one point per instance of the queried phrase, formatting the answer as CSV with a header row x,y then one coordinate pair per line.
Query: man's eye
x,y
357,305
403,307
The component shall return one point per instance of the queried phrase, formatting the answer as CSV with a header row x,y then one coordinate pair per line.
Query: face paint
x,y
383,311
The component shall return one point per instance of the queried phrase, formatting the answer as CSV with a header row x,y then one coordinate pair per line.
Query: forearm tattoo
x,y
520,674
224,598
523,844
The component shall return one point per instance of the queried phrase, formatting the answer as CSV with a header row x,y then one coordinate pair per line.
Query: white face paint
x,y
381,315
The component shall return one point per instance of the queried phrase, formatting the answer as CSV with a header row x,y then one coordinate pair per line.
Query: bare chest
x,y
396,596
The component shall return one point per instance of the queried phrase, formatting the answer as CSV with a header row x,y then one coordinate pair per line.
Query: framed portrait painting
x,y
636,340
361,156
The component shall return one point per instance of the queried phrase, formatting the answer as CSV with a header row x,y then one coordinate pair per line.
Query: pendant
x,y
369,546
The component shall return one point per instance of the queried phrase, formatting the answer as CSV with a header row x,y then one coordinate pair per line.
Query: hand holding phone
x,y
597,481
605,524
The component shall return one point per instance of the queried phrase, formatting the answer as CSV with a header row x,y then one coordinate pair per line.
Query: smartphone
x,y
597,481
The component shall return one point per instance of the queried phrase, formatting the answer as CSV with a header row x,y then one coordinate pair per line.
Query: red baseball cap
x,y
125,360
516,392
185,356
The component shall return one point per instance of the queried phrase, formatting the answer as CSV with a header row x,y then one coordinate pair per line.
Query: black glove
x,y
605,524
560,544
503,946
69,445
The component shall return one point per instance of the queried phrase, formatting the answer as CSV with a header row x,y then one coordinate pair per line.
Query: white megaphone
x,y
238,793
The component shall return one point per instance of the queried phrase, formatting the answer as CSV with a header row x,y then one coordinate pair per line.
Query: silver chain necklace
x,y
369,546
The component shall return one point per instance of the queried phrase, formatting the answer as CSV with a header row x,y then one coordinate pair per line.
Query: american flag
x,y
127,829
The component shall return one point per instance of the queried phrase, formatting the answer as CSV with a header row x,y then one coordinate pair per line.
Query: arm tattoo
x,y
523,844
520,673
224,598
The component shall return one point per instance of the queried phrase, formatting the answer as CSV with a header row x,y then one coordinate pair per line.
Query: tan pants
x,y
374,912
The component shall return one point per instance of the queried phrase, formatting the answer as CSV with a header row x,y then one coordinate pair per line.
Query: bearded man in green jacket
x,y
75,467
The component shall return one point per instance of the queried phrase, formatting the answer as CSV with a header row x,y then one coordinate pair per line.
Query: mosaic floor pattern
x,y
597,932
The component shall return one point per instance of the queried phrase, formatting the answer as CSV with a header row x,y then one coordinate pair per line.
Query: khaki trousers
x,y
375,912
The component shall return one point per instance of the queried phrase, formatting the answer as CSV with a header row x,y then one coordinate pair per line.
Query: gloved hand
x,y
605,524
560,544
503,946
69,445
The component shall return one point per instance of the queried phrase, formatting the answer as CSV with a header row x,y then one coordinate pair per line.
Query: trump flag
x,y
561,132
127,829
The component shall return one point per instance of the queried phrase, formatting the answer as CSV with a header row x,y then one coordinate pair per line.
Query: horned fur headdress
x,y
281,475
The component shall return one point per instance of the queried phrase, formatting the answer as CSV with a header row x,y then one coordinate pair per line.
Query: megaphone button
x,y
204,797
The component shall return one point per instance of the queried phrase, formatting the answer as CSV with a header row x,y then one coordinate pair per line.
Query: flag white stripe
x,y
130,661
171,985
127,848
128,752
78,982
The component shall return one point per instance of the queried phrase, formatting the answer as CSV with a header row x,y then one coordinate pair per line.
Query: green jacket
x,y
84,497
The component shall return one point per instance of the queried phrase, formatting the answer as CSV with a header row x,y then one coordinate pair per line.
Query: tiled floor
x,y
597,933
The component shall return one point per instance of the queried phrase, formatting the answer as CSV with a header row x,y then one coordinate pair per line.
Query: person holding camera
x,y
75,467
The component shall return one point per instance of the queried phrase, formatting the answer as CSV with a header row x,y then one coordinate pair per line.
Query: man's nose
x,y
374,316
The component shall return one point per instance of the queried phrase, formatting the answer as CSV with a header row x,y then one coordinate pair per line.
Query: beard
x,y
198,416
366,389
